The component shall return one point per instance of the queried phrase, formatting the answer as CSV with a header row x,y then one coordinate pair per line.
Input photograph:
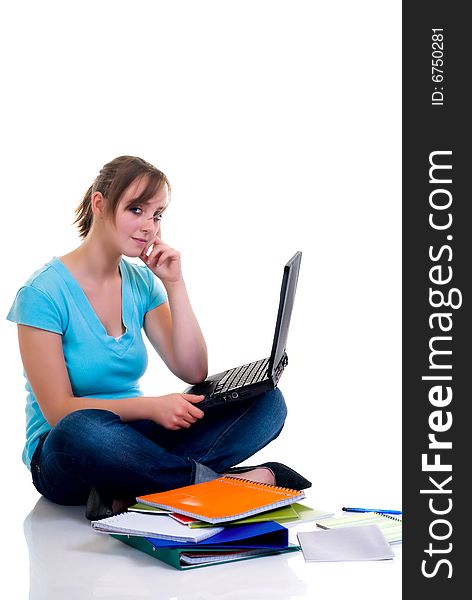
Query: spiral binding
x,y
389,517
265,485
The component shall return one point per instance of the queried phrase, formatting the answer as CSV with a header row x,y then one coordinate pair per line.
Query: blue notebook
x,y
268,535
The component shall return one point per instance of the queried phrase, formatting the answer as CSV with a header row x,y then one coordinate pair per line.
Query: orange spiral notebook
x,y
223,499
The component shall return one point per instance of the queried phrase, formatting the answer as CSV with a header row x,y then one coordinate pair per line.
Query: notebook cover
x,y
207,557
171,556
268,535
223,499
306,513
345,544
145,525
190,521
286,513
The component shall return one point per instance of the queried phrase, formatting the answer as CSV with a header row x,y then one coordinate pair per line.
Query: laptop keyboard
x,y
244,375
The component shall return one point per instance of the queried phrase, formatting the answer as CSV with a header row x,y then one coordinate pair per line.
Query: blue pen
x,y
378,510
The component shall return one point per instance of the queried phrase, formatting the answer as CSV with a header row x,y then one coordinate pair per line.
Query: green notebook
x,y
183,558
145,508
389,525
286,514
306,513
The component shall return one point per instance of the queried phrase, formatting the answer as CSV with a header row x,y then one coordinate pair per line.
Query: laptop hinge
x,y
280,367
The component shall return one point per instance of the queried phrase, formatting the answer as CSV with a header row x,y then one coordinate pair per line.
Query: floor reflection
x,y
69,560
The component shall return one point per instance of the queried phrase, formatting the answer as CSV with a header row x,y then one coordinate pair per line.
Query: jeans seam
x,y
193,471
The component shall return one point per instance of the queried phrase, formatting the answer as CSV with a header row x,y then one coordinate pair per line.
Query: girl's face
x,y
137,224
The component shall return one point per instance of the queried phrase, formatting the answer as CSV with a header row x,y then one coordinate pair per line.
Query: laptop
x,y
247,381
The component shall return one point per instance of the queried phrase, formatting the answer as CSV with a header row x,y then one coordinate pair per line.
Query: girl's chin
x,y
132,253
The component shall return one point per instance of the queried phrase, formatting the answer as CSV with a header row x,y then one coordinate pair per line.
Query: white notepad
x,y
146,525
345,544
391,526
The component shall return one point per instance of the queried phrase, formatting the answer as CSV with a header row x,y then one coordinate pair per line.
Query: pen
x,y
378,510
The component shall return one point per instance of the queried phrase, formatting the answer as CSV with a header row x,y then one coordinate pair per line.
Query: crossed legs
x,y
94,448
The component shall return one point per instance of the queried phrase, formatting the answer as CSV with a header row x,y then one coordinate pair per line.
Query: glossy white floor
x,y
58,556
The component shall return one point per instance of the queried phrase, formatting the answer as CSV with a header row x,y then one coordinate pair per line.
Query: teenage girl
x,y
90,433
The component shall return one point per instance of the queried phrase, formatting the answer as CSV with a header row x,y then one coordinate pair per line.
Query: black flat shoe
x,y
284,476
98,506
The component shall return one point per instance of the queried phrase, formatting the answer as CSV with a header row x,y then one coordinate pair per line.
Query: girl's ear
x,y
98,204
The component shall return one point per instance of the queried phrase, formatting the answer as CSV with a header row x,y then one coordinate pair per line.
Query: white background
x,y
278,125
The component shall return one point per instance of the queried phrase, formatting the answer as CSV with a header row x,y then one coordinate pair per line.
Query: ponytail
x,y
84,214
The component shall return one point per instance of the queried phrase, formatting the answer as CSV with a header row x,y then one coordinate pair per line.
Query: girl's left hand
x,y
163,261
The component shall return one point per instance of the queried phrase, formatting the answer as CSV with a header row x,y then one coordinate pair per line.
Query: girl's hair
x,y
112,181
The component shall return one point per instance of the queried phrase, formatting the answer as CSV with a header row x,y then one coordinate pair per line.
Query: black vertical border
x,y
428,128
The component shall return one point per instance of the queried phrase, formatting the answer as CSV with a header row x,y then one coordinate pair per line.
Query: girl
x,y
90,433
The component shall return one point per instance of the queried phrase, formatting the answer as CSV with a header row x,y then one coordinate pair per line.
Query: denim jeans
x,y
94,448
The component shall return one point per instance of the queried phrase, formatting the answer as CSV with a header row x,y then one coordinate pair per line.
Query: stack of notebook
x,y
224,520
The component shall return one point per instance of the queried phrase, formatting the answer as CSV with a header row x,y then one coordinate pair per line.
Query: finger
x,y
156,240
192,408
148,246
153,245
195,412
166,255
160,254
193,397
144,256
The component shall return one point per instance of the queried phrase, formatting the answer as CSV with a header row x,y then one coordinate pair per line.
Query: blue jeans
x,y
94,448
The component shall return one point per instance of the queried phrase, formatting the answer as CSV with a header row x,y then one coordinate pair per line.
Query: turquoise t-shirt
x,y
99,365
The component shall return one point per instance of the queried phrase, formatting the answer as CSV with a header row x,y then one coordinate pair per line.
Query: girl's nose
x,y
147,224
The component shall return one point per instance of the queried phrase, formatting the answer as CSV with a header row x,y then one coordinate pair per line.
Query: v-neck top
x,y
99,365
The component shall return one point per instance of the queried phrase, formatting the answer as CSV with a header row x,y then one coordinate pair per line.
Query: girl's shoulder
x,y
49,278
40,301
42,276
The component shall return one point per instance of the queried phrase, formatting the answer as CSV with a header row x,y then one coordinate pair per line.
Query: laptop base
x,y
213,399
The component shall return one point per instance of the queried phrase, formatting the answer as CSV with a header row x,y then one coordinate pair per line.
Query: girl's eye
x,y
137,210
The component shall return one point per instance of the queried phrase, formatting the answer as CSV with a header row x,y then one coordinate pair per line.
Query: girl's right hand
x,y
176,411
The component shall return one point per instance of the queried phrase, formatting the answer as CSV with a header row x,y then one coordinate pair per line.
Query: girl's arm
x,y
175,334
44,364
172,327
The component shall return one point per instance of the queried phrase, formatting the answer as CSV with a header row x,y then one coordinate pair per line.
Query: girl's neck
x,y
93,261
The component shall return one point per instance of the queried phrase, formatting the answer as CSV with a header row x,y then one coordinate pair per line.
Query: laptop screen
x,y
287,297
